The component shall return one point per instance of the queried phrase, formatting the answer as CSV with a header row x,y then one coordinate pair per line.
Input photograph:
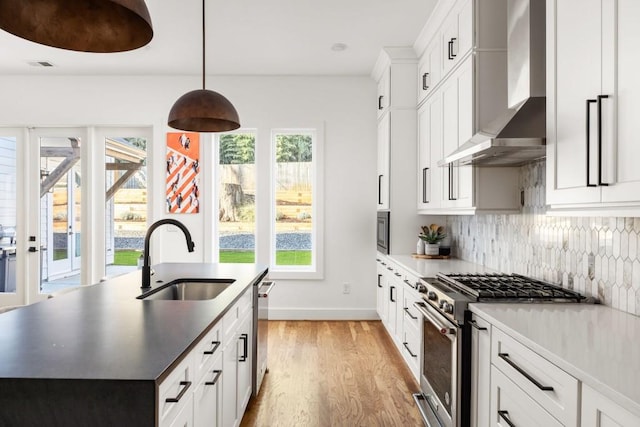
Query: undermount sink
x,y
189,290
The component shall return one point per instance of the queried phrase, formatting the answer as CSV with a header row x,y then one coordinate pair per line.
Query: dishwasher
x,y
261,328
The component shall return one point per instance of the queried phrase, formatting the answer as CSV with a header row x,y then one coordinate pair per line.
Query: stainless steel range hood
x,y
519,135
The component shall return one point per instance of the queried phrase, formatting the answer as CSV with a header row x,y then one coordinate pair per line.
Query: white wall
x,y
344,105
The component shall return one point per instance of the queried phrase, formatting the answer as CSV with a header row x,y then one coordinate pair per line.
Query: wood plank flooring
x,y
336,373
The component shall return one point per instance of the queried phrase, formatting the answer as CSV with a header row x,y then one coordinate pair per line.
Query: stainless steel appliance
x,y
382,232
445,379
260,324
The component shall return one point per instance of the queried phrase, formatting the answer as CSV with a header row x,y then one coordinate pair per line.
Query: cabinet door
x,y
457,128
384,139
230,382
384,92
598,411
480,371
245,358
207,397
457,35
430,151
392,306
382,292
185,416
430,69
621,169
576,45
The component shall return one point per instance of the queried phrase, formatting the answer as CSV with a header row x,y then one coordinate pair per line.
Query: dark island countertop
x,y
102,332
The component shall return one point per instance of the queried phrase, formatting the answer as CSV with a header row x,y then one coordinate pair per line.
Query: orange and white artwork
x,y
183,172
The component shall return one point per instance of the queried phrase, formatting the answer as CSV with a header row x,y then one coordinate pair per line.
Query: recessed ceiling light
x,y
40,64
338,47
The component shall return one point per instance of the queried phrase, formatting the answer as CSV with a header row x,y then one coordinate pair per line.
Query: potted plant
x,y
432,235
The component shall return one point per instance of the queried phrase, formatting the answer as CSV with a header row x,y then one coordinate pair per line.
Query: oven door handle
x,y
424,310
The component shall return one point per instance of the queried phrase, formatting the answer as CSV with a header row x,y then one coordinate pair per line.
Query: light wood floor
x,y
333,374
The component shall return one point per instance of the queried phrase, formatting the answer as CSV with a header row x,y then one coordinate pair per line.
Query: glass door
x,y
58,225
10,139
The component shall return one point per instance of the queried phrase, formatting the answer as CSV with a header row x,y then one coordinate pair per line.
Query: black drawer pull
x,y
176,399
379,277
409,350
505,416
425,86
380,107
588,140
245,346
475,325
216,344
215,379
505,357
391,298
406,309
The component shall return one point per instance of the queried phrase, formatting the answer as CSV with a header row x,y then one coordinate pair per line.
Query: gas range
x,y
451,293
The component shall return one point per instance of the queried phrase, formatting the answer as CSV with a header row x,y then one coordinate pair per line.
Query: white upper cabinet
x,y
429,152
593,95
430,69
457,34
384,136
384,92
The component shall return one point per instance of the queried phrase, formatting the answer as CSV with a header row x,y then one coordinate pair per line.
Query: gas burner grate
x,y
487,287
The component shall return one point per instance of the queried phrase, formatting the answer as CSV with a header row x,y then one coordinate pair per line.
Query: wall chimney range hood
x,y
519,135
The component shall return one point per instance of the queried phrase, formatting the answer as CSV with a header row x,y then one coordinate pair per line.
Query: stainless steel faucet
x,y
146,268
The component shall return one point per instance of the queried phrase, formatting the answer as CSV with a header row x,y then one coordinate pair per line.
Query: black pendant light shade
x,y
203,110
102,26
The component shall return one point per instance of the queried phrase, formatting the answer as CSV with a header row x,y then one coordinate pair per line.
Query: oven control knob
x,y
446,307
431,296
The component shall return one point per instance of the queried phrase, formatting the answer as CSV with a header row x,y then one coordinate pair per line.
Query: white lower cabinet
x,y
599,411
212,385
480,370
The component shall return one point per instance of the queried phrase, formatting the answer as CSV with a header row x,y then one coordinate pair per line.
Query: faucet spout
x,y
146,267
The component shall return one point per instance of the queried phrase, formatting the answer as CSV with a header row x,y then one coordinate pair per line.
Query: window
x,y
237,198
295,201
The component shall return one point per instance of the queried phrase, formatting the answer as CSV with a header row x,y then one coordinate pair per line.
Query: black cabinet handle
x,y
215,379
600,98
505,416
406,309
379,277
505,357
380,102
424,185
397,274
475,325
424,81
380,189
409,350
391,288
588,139
389,268
245,347
176,399
450,53
33,249
216,344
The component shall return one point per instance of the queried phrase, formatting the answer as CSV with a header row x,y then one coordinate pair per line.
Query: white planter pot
x,y
431,249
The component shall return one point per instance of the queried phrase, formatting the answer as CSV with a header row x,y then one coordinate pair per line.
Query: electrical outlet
x,y
346,288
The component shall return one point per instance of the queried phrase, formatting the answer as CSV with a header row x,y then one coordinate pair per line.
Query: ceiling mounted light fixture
x,y
203,110
101,26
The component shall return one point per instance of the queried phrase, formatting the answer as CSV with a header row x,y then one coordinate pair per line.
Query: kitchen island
x,y
96,356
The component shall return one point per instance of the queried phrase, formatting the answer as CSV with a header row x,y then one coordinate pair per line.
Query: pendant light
x,y
102,26
203,110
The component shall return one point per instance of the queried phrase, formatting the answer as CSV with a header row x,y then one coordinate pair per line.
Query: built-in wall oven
x,y
445,377
382,232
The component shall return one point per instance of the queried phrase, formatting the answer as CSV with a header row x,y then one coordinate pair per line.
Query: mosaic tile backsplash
x,y
595,256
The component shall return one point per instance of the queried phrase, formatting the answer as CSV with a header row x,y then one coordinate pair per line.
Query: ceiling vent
x,y
40,64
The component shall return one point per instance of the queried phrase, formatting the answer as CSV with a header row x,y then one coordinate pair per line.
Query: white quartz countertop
x,y
598,345
429,267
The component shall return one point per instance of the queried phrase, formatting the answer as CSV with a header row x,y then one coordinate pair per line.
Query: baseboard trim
x,y
322,314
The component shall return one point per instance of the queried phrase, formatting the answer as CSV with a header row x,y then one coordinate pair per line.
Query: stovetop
x,y
512,287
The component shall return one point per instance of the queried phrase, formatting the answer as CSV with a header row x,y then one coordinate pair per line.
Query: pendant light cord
x,y
203,48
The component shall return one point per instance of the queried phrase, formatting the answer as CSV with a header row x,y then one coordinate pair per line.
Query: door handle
x,y
380,102
600,98
505,357
424,185
391,288
425,86
380,189
245,345
215,379
505,416
33,249
379,277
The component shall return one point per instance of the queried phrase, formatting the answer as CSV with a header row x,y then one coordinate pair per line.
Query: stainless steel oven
x,y
442,375
382,232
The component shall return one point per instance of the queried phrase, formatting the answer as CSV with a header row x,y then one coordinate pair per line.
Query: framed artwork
x,y
183,172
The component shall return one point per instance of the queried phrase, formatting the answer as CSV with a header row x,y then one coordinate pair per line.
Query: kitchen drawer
x,y
411,351
232,318
207,350
510,406
207,396
175,390
412,318
547,384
